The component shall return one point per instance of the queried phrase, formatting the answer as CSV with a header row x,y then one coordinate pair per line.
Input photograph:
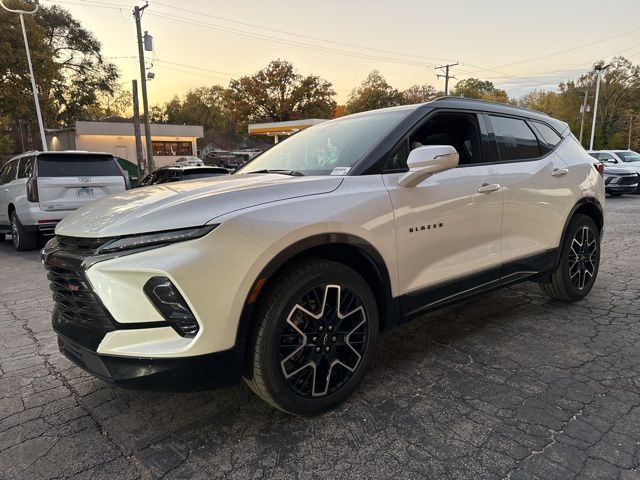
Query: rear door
x,y
68,181
537,190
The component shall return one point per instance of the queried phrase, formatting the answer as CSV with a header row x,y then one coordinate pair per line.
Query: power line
x,y
446,68
288,42
560,52
300,35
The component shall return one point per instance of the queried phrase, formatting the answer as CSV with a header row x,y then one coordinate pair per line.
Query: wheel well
x,y
11,209
372,270
592,210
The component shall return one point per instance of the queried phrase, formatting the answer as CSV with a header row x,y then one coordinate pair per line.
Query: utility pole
x,y
599,70
446,76
34,87
630,127
136,130
137,14
583,111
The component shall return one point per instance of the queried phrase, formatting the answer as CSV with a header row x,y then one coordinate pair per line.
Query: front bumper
x,y
167,374
621,188
104,316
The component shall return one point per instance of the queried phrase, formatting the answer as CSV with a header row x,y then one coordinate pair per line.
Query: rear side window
x,y
9,172
548,137
26,167
516,141
77,166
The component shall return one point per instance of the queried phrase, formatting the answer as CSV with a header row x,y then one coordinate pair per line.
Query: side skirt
x,y
417,303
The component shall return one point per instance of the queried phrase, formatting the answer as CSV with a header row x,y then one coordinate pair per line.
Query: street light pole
x,y
630,129
137,13
34,87
583,110
599,70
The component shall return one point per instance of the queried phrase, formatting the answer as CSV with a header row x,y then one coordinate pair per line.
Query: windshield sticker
x,y
340,170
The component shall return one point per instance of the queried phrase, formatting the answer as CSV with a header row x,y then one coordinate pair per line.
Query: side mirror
x,y
425,161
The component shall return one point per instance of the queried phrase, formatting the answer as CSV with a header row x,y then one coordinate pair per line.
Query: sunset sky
x,y
519,45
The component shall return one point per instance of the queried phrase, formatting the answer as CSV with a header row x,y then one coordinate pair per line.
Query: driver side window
x,y
460,130
607,158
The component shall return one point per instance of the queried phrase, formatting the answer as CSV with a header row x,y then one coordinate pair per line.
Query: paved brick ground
x,y
510,385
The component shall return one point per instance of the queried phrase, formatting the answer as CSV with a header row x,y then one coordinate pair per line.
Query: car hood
x,y
618,171
186,204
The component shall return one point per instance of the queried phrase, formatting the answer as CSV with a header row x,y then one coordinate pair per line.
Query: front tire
x,y
315,339
22,239
615,194
577,269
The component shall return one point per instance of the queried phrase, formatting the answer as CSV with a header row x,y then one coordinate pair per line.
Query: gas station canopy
x,y
277,129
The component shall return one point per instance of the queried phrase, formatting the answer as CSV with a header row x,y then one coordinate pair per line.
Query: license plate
x,y
84,192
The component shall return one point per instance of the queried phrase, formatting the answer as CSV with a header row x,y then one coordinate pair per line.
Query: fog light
x,y
167,299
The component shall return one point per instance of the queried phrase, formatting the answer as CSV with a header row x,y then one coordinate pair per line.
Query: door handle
x,y
489,187
559,172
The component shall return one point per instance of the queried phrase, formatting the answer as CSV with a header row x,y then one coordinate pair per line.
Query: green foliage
x,y
619,99
420,94
278,93
481,89
71,74
374,92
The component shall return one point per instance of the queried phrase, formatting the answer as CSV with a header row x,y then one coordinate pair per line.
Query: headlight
x,y
155,239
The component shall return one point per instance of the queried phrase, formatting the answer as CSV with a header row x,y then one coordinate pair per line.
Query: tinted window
x,y
460,130
9,172
26,167
77,166
515,139
191,174
548,137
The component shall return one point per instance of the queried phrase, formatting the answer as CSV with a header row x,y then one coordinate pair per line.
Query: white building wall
x,y
125,146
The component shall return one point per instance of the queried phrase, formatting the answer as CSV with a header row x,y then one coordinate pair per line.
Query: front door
x,y
448,226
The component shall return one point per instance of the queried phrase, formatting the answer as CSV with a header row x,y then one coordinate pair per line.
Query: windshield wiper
x,y
293,173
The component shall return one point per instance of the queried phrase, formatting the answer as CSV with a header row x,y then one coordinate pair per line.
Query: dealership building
x,y
169,142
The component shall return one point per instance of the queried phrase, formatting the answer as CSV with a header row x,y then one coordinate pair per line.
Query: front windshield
x,y
629,156
328,148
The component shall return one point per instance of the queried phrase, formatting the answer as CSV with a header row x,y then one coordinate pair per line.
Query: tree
x,y
481,89
374,92
619,99
15,83
71,73
420,94
278,93
83,73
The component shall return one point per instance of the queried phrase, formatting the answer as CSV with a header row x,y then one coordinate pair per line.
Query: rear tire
x,y
577,269
317,328
22,239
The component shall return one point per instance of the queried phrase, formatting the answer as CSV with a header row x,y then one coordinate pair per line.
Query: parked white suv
x,y
619,158
285,272
38,189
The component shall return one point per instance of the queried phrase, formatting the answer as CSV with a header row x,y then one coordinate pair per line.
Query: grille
x,y
75,301
628,180
81,244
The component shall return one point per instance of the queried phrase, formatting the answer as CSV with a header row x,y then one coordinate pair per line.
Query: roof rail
x,y
490,102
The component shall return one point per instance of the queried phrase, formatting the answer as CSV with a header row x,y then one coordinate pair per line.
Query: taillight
x,y
32,190
599,168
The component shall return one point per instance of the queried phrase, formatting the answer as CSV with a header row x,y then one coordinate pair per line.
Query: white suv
x,y
285,272
619,158
38,189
